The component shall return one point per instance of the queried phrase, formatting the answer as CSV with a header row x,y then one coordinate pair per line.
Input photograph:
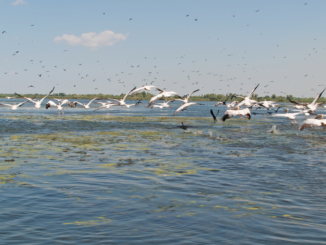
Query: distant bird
x,y
195,19
184,127
290,116
30,86
4,32
130,19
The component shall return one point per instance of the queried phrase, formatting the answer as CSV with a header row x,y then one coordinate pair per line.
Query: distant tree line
x,y
147,96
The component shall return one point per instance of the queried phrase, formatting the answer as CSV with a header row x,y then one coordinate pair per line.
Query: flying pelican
x,y
267,104
163,93
184,106
236,112
37,103
312,106
86,106
290,116
234,103
223,102
162,105
316,122
59,105
14,106
122,101
246,100
185,100
144,87
105,105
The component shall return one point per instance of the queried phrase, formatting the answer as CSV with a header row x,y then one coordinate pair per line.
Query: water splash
x,y
273,130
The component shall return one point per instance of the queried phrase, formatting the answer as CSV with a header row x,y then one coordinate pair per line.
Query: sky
x,y
109,47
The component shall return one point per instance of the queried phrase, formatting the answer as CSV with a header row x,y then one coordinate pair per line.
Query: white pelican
x,y
311,123
105,105
246,100
234,103
185,100
186,105
122,101
37,103
59,105
9,98
267,104
144,87
223,102
290,116
162,105
163,93
14,106
312,106
86,106
236,112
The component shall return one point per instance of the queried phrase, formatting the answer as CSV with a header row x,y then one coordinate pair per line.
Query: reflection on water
x,y
134,176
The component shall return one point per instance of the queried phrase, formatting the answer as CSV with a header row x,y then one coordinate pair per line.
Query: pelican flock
x,y
306,109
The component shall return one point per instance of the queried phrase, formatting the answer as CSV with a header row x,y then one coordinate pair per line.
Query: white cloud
x,y
92,39
19,2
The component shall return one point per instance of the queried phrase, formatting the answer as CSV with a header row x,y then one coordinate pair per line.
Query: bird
x,y
267,104
214,116
184,127
236,112
144,87
312,106
290,116
9,98
246,100
223,102
122,101
14,106
162,105
163,93
184,106
106,105
185,100
86,106
59,105
37,103
311,123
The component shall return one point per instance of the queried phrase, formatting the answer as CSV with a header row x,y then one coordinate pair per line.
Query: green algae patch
x,y
98,221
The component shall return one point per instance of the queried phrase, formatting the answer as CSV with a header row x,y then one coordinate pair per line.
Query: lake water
x,y
133,176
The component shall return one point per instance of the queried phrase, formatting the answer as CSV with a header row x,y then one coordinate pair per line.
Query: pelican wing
x,y
155,98
128,93
317,98
20,104
192,93
91,101
26,98
180,109
6,104
47,95
137,90
250,94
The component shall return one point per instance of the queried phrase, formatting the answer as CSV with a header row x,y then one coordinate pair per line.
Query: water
x,y
135,177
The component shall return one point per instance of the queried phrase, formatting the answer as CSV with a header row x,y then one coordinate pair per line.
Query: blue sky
x,y
232,46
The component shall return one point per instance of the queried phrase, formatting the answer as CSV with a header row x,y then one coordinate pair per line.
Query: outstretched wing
x,y
128,93
250,94
26,98
192,93
91,101
155,98
317,98
137,90
49,104
47,95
